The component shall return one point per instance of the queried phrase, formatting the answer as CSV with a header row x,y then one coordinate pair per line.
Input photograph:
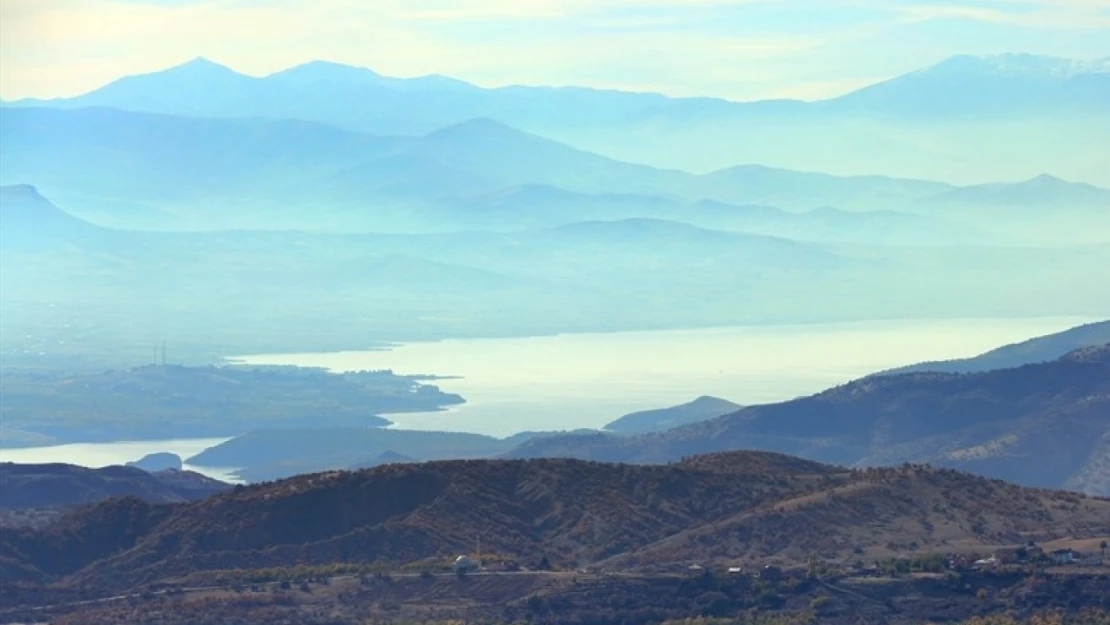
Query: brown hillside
x,y
572,511
725,506
884,513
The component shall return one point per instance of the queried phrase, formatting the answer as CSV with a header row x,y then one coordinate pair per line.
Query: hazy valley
x,y
202,257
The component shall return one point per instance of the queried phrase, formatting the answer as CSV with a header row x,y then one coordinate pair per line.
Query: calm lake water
x,y
587,380
122,452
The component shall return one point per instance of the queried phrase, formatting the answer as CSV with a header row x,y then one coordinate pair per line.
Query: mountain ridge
x,y
1013,63
993,423
619,124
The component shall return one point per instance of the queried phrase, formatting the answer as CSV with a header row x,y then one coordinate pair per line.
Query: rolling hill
x,y
1040,192
780,187
27,486
1045,425
240,292
743,507
1045,208
537,205
112,165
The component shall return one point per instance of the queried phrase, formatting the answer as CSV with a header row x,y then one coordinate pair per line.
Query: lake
x,y
587,380
117,453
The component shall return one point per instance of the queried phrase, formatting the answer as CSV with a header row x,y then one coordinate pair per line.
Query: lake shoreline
x,y
390,346
508,389
119,453
575,381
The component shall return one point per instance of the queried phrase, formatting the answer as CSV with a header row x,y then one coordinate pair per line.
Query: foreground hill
x,y
1042,425
742,507
1039,349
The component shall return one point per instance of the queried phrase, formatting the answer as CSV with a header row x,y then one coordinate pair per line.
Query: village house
x,y
959,561
986,563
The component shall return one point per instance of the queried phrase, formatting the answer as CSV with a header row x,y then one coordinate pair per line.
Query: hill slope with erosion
x,y
750,507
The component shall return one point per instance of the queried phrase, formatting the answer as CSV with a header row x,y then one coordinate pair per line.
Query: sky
x,y
736,49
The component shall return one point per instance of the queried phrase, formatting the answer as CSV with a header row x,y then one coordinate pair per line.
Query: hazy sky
x,y
740,49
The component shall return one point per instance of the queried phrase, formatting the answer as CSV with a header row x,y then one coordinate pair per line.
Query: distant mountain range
x,y
936,120
112,167
1040,424
726,509
319,91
